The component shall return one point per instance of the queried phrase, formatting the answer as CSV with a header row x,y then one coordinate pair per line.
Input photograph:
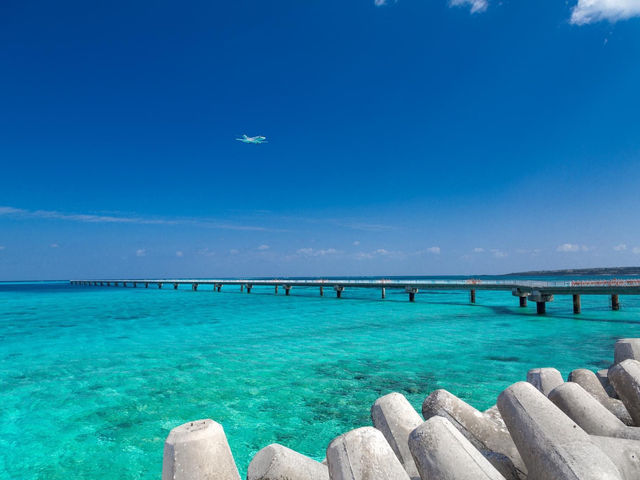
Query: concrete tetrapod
x,y
198,451
551,444
488,436
494,414
590,382
544,379
363,454
590,414
624,453
441,452
625,378
276,462
603,376
625,349
394,416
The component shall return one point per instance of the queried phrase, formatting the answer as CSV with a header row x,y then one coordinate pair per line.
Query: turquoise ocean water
x,y
92,379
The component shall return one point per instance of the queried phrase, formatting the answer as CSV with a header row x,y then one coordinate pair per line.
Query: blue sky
x,y
405,137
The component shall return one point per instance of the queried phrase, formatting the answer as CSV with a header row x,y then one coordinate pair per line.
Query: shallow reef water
x,y
93,378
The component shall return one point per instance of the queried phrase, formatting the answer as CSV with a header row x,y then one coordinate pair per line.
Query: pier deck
x,y
540,292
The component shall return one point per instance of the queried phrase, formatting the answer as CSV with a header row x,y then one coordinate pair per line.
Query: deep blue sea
x,y
93,378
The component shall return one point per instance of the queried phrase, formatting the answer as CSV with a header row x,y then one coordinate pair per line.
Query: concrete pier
x,y
539,292
576,304
615,302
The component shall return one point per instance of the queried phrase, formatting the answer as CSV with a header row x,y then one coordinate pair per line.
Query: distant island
x,y
582,271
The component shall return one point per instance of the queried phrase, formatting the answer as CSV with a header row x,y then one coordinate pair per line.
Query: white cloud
x,y
98,218
475,5
179,254
356,243
620,248
572,247
206,252
434,250
234,251
312,252
636,250
2,247
54,245
263,247
591,11
141,252
499,253
478,250
381,3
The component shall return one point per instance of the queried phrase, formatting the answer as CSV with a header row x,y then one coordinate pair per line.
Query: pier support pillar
x,y
124,284
135,284
276,290
541,300
322,291
615,302
383,293
194,287
160,285
541,308
241,288
576,304
518,292
412,293
219,287
146,285
175,286
287,290
472,295
249,287
338,290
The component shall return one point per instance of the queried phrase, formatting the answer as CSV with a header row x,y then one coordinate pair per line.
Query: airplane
x,y
257,140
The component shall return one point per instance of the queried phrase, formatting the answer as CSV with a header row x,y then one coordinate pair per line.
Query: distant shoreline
x,y
581,271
